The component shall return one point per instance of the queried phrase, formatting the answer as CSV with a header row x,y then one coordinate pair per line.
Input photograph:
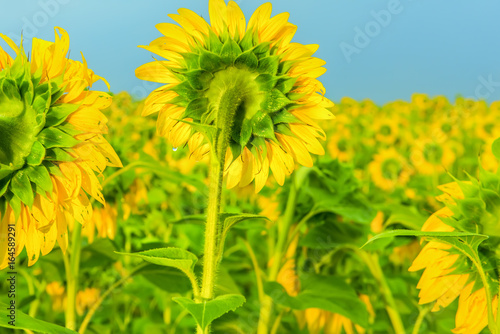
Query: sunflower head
x,y
51,144
249,78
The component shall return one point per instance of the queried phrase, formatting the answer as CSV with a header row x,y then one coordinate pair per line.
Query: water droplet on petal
x,y
175,149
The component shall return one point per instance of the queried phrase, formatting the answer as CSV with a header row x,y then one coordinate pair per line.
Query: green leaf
x,y
328,293
36,155
21,187
40,176
24,321
207,311
167,279
169,257
495,148
460,240
53,137
58,113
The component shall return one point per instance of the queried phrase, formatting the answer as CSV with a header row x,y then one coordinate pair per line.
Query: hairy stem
x,y
227,106
72,266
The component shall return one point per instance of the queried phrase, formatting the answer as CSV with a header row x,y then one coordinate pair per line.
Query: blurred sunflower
x,y
445,278
57,294
104,221
334,323
429,157
265,84
389,169
386,129
51,145
340,146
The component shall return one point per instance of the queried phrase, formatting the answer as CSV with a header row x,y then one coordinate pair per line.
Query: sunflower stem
x,y
283,228
72,271
229,102
373,264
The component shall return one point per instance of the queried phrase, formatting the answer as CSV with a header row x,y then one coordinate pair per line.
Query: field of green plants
x,y
237,198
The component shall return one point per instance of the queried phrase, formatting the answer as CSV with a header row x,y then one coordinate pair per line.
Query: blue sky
x,y
378,49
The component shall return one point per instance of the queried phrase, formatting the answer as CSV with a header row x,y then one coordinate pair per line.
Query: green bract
x,y
256,74
33,133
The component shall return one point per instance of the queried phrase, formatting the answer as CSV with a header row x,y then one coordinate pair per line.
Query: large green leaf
x,y
206,312
324,292
24,321
169,257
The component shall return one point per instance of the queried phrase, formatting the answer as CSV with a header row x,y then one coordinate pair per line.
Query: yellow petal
x,y
157,71
218,15
235,19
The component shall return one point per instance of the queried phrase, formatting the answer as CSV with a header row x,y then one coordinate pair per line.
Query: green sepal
x,y
4,185
56,88
274,101
185,90
40,176
247,59
286,84
230,51
285,66
9,89
53,169
58,154
266,82
214,42
36,155
15,204
199,79
41,103
191,60
284,129
196,108
269,65
262,50
210,61
21,187
263,126
235,150
284,116
246,42
58,113
245,133
53,137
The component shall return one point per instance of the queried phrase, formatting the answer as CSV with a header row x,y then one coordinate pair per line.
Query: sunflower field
x,y
236,197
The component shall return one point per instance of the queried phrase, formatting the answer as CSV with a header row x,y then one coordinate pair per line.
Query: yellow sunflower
x,y
430,157
440,283
104,221
51,146
386,129
389,169
246,77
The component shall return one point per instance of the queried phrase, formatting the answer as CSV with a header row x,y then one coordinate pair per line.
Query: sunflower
x,y
430,157
104,221
445,279
249,78
389,169
51,146
57,294
387,129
